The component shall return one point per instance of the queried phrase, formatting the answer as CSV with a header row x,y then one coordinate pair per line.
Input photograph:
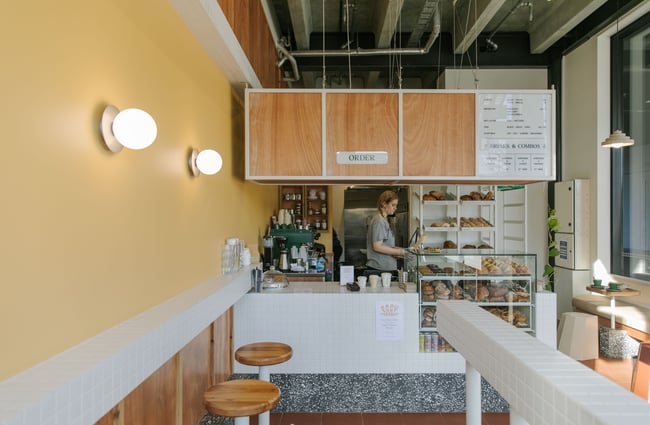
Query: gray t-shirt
x,y
379,230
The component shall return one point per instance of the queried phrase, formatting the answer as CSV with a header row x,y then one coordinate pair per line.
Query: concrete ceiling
x,y
383,43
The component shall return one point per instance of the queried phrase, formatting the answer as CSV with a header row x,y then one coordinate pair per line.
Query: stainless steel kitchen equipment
x,y
359,205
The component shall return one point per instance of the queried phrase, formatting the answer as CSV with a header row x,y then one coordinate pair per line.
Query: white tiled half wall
x,y
542,385
78,386
335,333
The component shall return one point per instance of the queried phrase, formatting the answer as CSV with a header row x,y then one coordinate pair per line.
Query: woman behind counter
x,y
380,242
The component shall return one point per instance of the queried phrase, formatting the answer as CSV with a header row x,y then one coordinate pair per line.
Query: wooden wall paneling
x,y
113,416
194,367
263,48
285,134
154,401
362,122
248,22
222,354
439,134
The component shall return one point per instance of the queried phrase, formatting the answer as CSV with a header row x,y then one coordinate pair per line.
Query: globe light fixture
x,y
131,128
207,162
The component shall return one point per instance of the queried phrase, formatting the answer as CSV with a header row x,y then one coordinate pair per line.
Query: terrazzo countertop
x,y
330,288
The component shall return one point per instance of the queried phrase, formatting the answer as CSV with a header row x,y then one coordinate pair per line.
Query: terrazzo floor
x,y
367,419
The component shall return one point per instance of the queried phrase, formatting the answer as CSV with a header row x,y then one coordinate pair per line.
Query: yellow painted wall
x,y
90,238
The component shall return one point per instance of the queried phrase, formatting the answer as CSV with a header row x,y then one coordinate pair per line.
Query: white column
x,y
472,395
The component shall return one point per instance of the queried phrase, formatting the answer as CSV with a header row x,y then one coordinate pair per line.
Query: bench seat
x,y
632,312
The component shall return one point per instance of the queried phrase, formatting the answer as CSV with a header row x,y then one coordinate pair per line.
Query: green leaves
x,y
553,226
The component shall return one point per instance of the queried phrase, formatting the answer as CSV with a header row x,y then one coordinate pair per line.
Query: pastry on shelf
x,y
427,292
441,290
427,318
449,245
478,196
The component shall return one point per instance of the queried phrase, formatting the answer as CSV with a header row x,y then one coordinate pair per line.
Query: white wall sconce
x,y
617,139
131,128
207,161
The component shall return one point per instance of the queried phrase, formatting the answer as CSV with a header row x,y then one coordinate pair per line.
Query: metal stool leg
x,y
241,420
264,375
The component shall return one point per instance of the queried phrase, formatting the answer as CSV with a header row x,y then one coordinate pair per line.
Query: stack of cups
x,y
233,243
245,257
235,255
226,259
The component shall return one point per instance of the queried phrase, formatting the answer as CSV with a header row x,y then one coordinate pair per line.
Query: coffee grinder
x,y
268,252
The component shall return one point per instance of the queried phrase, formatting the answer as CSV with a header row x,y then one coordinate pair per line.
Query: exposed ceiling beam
x,y
426,14
471,17
300,11
388,13
558,21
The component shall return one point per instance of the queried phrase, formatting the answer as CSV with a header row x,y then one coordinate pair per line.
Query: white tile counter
x,y
334,330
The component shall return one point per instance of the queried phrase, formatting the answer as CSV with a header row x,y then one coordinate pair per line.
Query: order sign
x,y
515,135
389,321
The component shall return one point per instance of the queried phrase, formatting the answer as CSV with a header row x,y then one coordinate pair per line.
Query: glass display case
x,y
503,284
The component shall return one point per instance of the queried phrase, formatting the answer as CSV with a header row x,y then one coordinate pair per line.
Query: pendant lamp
x,y
617,139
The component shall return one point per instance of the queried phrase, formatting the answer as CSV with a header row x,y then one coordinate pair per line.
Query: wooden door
x,y
285,134
362,122
439,134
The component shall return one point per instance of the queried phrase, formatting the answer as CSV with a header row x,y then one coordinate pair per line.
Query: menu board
x,y
515,135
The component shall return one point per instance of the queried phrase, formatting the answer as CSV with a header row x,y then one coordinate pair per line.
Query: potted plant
x,y
553,251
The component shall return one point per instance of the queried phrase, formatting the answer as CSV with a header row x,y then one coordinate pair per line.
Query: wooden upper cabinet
x,y
285,134
439,134
362,122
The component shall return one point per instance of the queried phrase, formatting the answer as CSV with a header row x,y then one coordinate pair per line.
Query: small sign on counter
x,y
389,321
346,275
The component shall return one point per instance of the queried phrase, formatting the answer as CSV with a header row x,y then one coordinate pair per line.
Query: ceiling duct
x,y
435,32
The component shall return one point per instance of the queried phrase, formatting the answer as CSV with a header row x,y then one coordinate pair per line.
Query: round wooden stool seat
x,y
263,353
241,398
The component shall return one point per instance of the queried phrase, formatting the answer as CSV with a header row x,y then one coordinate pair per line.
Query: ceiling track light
x,y
131,128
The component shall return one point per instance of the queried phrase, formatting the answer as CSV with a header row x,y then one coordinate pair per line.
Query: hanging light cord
x,y
347,32
324,82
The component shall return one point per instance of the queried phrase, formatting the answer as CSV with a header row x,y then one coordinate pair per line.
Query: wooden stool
x,y
241,398
264,354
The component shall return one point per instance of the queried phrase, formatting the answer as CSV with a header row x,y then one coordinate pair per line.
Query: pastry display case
x,y
503,284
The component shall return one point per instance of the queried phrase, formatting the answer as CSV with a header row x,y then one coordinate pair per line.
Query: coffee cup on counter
x,y
385,279
361,281
374,280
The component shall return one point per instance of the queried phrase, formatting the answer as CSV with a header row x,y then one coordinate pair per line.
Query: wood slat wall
x,y
247,19
173,395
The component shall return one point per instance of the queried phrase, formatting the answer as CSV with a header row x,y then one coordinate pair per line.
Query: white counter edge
x,y
81,384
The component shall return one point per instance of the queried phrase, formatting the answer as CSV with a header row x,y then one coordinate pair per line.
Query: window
x,y
631,166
